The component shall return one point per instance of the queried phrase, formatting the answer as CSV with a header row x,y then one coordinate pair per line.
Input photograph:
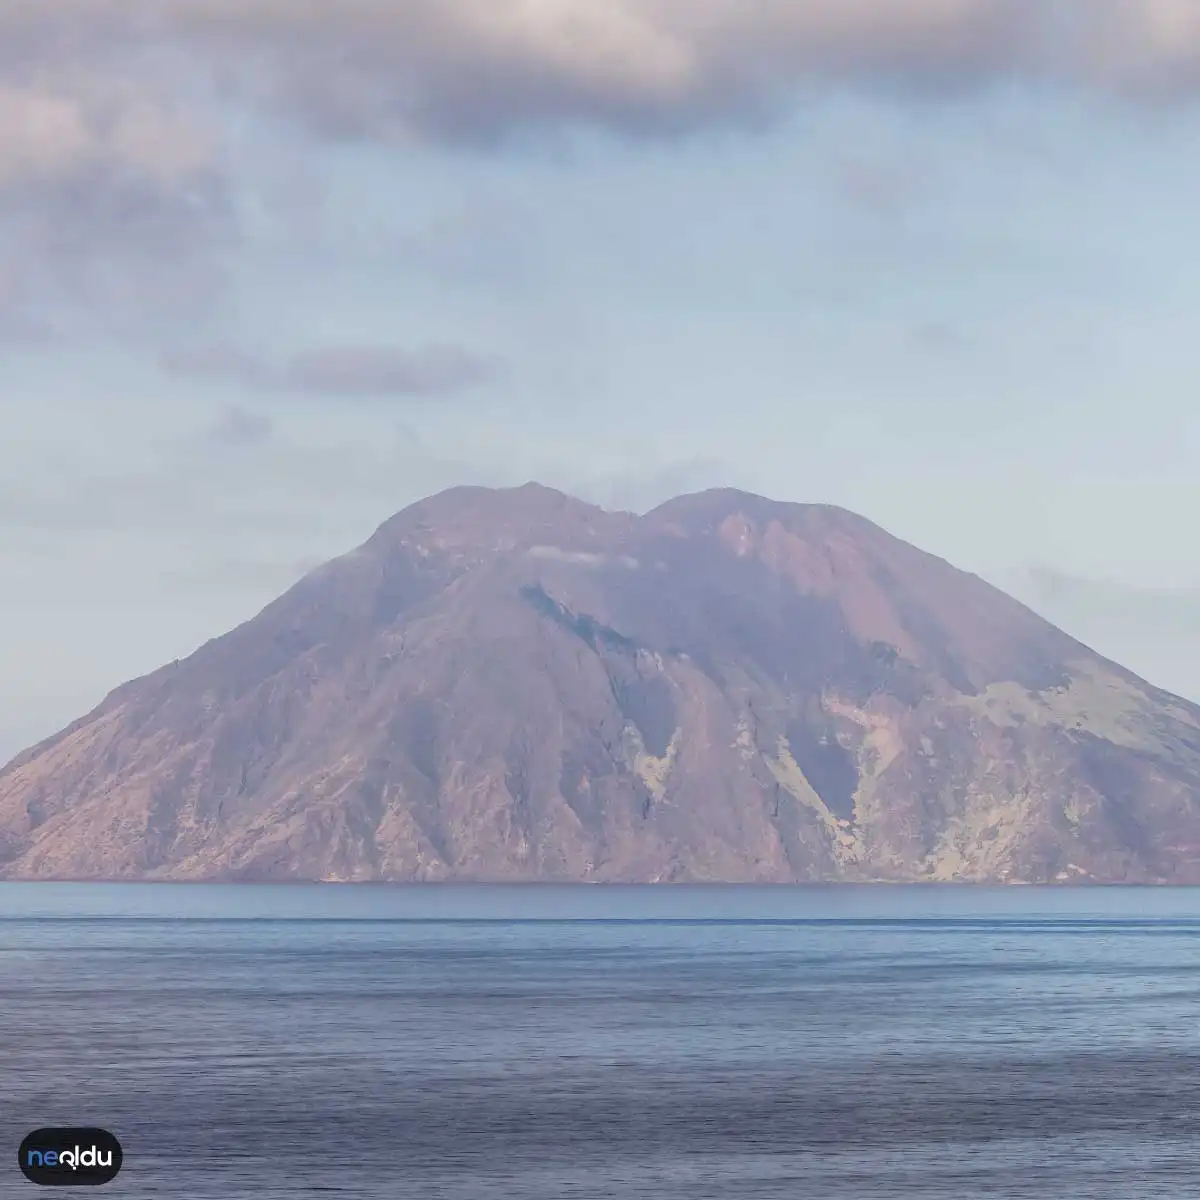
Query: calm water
x,y
447,1043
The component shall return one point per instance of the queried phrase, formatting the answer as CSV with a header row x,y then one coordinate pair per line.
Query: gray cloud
x,y
345,371
386,371
217,363
120,119
450,69
113,252
113,209
456,70
465,71
237,427
120,196
61,123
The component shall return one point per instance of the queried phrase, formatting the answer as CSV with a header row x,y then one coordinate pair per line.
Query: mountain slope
x,y
515,685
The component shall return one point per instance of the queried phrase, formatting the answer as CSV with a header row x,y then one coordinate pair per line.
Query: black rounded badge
x,y
70,1157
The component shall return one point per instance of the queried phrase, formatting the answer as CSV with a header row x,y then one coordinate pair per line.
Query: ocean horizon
x,y
544,1041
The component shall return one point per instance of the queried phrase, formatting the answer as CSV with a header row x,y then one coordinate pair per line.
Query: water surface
x,y
456,1043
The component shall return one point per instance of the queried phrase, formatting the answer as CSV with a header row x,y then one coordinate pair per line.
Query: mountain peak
x,y
515,684
708,508
493,518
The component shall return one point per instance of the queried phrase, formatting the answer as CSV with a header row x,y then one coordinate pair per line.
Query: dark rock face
x,y
517,685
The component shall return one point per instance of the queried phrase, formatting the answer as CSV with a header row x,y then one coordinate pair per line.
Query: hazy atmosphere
x,y
600,598
271,271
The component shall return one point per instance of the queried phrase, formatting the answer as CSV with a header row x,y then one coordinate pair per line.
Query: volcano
x,y
515,685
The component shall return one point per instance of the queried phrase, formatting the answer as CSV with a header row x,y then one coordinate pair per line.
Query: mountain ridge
x,y
516,684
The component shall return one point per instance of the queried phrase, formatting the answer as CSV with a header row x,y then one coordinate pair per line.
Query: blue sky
x,y
269,272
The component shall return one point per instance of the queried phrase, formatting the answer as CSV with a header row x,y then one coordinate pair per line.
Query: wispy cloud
x,y
582,558
345,371
238,427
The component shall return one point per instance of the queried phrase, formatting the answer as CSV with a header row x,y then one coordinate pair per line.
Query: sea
x,y
550,1043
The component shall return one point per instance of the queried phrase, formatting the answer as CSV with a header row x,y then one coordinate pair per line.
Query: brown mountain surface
x,y
517,685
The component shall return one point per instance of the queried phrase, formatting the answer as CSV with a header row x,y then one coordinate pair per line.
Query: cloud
x,y
345,371
111,253
59,127
217,363
237,427
1146,48
582,558
122,200
386,371
466,71
112,205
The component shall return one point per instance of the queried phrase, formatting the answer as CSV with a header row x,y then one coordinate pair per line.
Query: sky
x,y
271,270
